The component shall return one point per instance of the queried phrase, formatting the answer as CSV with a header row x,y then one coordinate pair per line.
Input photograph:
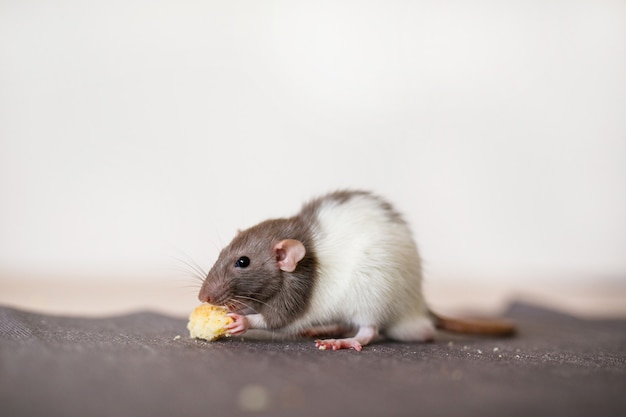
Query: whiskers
x,y
192,273
237,305
238,299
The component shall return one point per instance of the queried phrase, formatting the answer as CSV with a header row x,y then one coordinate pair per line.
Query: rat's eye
x,y
242,262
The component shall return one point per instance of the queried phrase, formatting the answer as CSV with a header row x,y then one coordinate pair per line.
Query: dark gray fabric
x,y
133,365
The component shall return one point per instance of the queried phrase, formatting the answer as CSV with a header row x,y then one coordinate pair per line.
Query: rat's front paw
x,y
239,326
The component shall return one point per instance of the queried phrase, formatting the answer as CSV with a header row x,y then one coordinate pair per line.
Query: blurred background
x,y
137,136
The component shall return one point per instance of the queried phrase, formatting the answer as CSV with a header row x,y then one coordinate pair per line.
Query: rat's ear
x,y
288,253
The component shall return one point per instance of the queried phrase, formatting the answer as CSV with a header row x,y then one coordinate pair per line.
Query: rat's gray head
x,y
249,271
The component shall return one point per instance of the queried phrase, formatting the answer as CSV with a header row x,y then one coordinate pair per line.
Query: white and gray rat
x,y
346,261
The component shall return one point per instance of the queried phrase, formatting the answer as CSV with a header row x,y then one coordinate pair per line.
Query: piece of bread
x,y
208,321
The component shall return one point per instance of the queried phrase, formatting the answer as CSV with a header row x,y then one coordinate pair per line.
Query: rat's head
x,y
249,271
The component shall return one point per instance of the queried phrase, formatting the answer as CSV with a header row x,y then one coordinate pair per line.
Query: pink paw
x,y
239,326
336,344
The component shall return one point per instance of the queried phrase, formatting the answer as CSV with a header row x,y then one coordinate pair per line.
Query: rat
x,y
346,266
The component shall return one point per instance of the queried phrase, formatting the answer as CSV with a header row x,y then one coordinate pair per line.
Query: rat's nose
x,y
213,291
204,295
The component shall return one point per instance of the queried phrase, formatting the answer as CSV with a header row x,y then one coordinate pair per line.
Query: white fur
x,y
369,272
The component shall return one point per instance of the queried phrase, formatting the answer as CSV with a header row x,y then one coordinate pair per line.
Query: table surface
x,y
144,364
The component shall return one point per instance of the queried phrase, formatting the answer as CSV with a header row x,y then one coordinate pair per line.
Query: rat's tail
x,y
482,326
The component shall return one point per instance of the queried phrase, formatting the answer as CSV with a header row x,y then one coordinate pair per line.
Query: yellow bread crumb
x,y
208,321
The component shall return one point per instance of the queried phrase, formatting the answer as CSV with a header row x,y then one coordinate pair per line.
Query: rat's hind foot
x,y
336,344
363,337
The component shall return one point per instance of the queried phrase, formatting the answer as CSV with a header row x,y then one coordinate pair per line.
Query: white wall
x,y
135,132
